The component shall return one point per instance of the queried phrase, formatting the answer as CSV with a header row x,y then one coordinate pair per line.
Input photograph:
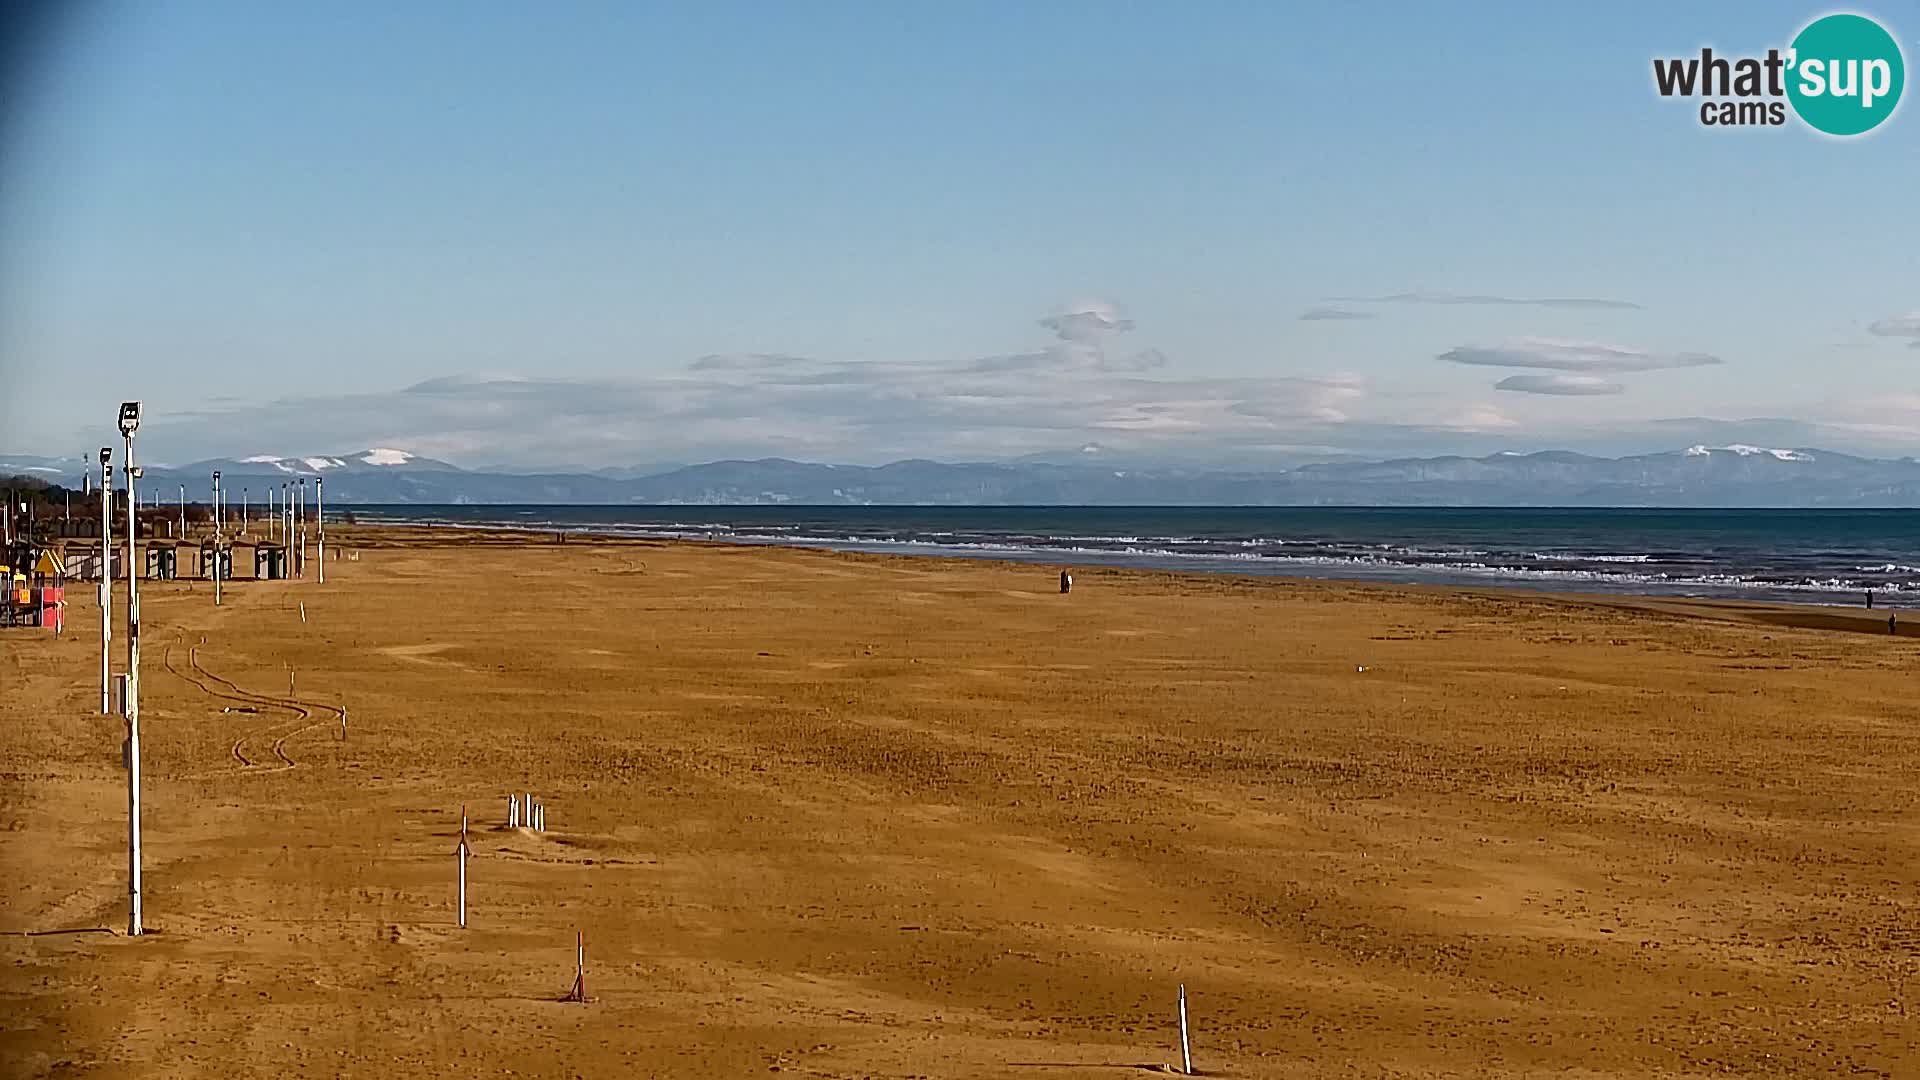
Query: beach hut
x,y
208,553
269,562
162,562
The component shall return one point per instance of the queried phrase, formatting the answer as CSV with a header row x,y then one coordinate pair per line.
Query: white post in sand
x,y
1186,1048
320,524
461,850
579,991
513,811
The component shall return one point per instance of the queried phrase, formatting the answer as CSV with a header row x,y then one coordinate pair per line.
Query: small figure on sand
x,y
1869,599
1893,624
1066,582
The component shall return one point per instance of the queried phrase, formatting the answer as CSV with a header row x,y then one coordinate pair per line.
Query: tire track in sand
x,y
303,710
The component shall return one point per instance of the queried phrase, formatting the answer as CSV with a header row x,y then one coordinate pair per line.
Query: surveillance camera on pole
x,y
106,579
129,424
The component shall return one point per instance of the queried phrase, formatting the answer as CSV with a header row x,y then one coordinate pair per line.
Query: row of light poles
x,y
130,703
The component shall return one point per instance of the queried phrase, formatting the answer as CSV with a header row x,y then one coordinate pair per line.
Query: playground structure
x,y
34,580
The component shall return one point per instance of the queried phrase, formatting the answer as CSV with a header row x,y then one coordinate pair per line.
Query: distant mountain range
x,y
1698,476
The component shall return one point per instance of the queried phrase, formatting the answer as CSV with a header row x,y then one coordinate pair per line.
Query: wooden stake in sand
x,y
1186,1048
579,991
461,851
303,613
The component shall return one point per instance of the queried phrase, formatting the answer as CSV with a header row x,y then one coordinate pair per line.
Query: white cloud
x,y
1584,303
1077,389
1088,321
1564,385
1906,326
1585,356
1333,314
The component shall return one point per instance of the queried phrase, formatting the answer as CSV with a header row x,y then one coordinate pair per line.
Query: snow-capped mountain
x,y
1744,450
380,457
1698,476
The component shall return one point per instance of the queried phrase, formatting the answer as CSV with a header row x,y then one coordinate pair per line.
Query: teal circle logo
x,y
1845,74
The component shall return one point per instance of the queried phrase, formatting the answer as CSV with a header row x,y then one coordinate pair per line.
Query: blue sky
x,y
509,233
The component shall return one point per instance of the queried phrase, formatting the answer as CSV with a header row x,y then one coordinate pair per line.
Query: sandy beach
x,y
864,816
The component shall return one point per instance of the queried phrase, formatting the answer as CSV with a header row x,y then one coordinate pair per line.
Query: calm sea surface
x,y
1817,556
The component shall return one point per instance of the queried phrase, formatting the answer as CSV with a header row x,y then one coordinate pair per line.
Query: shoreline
x,y
1686,567
1781,613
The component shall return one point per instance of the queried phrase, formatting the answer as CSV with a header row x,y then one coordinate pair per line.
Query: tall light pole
x,y
183,511
286,534
303,526
320,524
106,579
130,423
243,510
216,538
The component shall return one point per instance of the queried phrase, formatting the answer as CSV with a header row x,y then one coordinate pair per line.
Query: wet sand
x,y
843,815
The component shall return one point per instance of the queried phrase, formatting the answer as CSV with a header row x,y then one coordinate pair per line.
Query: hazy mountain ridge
x,y
1697,476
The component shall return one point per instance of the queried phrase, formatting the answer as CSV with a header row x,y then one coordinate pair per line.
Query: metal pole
x,y
320,523
243,510
134,928
216,538
303,526
183,511
106,580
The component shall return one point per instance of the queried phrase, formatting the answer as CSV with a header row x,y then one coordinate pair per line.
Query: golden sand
x,y
840,815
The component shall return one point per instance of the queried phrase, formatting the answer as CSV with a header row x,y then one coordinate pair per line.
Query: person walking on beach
x,y
1869,599
1893,624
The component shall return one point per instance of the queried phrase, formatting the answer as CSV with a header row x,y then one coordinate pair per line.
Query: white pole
x,y
320,524
1186,1048
461,850
216,538
134,928
579,991
183,511
106,580
513,811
